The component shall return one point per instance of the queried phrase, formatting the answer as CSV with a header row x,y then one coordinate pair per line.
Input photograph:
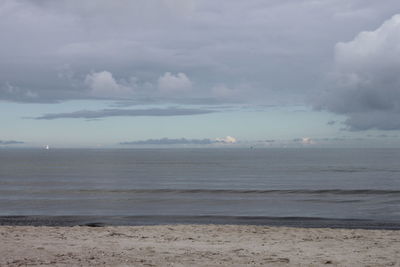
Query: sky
x,y
191,73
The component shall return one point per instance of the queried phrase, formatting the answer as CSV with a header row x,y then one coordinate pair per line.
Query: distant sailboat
x,y
47,147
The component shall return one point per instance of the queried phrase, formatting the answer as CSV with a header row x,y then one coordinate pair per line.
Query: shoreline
x,y
197,245
103,221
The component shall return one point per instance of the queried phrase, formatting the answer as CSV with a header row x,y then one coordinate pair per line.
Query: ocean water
x,y
318,183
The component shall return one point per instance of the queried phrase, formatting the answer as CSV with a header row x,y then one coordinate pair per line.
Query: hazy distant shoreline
x,y
100,221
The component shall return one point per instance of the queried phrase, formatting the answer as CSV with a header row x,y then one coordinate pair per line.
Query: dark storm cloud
x,y
10,142
94,114
168,141
276,52
366,80
382,120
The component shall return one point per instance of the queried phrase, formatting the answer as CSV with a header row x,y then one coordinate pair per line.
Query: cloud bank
x,y
276,53
168,141
183,141
10,142
95,114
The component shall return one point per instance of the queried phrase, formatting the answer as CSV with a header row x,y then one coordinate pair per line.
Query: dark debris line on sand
x,y
100,221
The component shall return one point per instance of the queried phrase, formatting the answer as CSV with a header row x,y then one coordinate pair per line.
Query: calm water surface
x,y
326,183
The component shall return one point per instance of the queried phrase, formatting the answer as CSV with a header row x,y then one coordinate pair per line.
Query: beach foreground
x,y
196,245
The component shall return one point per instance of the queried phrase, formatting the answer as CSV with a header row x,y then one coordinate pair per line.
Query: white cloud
x,y
226,140
304,141
307,141
103,84
370,50
174,84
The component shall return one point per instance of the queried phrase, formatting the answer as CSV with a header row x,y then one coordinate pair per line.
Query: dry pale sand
x,y
196,245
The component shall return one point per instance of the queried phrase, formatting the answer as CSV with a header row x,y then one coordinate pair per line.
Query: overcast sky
x,y
124,73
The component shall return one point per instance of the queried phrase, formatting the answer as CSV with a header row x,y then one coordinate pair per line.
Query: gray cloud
x,y
383,136
16,94
10,142
94,114
366,79
59,50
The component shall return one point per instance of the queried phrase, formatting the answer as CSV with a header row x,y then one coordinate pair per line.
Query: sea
x,y
296,187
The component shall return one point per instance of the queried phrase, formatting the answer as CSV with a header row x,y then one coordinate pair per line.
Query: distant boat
x,y
47,147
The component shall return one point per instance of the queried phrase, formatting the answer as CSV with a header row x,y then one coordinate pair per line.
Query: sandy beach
x,y
197,245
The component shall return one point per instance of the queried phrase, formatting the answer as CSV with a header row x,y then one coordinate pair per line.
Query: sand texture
x,y
197,245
